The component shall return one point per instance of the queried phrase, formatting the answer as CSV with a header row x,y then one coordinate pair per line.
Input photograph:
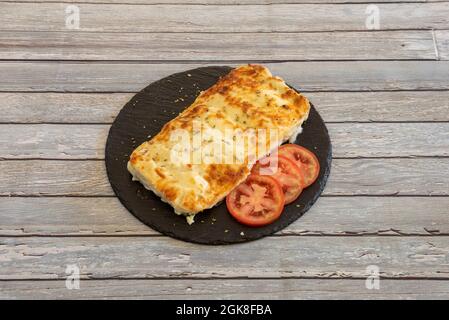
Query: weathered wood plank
x,y
54,177
58,141
426,176
53,141
37,107
310,76
61,107
399,45
224,18
389,176
215,2
442,40
329,216
381,106
387,140
257,289
161,257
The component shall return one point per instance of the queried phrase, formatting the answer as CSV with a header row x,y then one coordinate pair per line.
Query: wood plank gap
x,y
302,91
110,123
203,61
206,61
180,3
137,235
396,195
353,278
241,32
5,159
323,195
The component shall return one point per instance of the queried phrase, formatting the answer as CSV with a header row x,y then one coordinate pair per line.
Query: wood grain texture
x,y
37,107
57,141
309,76
272,257
254,289
399,45
390,140
53,141
61,107
49,141
382,106
442,40
348,177
424,216
376,211
219,18
212,2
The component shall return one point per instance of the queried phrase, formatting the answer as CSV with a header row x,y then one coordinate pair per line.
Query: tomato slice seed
x,y
303,158
285,171
257,201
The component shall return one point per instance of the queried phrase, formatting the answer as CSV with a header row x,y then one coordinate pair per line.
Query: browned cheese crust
x,y
246,100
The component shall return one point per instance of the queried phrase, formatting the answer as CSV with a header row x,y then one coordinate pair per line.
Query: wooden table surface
x,y
384,95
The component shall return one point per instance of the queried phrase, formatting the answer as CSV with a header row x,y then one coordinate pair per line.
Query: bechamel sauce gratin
x,y
248,98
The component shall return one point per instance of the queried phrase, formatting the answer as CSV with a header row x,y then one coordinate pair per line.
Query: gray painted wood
x,y
257,289
425,216
341,235
37,107
382,106
61,107
53,141
388,140
442,39
273,257
226,18
398,45
212,2
57,141
310,76
420,176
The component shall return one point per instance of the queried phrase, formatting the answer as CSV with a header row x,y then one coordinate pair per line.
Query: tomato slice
x,y
256,202
285,171
304,158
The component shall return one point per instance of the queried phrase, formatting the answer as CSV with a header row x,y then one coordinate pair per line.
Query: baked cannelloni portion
x,y
208,149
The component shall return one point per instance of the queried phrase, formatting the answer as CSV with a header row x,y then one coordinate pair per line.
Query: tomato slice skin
x,y
304,158
256,202
286,173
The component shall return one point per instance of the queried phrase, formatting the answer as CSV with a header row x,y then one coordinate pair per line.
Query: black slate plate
x,y
145,115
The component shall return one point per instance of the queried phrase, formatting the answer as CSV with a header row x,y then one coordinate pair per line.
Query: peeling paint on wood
x,y
272,257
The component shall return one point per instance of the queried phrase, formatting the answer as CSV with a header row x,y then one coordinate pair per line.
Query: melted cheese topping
x,y
248,98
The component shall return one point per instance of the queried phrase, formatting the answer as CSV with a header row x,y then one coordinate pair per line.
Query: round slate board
x,y
144,116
